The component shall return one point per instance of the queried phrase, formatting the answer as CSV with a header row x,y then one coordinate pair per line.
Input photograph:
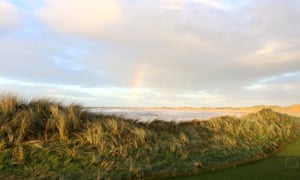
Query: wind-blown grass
x,y
44,139
284,165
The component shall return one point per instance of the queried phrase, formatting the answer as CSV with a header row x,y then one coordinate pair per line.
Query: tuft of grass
x,y
44,139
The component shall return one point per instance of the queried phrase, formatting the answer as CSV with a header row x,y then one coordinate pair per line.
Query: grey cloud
x,y
190,47
195,47
45,61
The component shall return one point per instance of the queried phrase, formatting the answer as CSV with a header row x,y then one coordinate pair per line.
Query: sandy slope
x,y
293,110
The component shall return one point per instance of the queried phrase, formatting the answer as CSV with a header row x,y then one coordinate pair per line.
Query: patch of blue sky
x,y
67,64
69,55
291,74
261,84
29,24
28,4
280,76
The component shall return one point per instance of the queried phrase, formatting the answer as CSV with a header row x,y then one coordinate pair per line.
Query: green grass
x,y
284,165
42,139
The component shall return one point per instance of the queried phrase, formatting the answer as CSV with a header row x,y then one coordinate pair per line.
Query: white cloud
x,y
256,87
269,48
206,97
212,3
174,4
9,15
83,17
273,52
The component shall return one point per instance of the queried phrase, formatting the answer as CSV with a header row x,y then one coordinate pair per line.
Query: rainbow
x,y
138,78
137,82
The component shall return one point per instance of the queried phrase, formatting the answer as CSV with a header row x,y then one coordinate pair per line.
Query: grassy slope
x,y
282,166
43,139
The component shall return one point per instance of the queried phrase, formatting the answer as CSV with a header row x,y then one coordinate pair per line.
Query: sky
x,y
201,53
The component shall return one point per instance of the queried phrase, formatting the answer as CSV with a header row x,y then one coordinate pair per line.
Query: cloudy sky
x,y
152,52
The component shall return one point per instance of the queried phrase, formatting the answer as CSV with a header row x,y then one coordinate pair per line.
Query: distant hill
x,y
294,108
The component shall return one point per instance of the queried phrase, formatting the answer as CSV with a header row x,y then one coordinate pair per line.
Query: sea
x,y
148,115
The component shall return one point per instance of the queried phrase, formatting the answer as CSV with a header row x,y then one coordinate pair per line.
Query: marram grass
x,y
42,139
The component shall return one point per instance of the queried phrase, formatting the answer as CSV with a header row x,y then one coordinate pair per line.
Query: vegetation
x,y
284,165
44,139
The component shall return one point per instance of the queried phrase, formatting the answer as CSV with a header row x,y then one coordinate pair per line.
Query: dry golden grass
x,y
44,139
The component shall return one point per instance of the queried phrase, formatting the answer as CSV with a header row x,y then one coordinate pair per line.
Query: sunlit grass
x,y
284,165
45,139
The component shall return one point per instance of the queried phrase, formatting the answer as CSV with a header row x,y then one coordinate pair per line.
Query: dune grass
x,y
282,166
44,139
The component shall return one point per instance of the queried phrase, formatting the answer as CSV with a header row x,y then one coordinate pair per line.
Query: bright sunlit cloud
x,y
9,15
79,17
